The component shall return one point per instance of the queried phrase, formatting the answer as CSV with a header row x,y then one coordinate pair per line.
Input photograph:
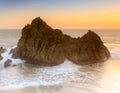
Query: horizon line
x,y
66,28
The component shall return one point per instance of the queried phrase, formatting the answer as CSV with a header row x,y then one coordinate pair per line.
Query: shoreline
x,y
33,89
30,89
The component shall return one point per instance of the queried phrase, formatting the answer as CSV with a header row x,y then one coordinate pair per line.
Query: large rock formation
x,y
40,44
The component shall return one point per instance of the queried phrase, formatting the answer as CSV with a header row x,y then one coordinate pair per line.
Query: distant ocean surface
x,y
66,77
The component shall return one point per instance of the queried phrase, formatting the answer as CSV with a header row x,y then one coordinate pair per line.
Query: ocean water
x,y
63,78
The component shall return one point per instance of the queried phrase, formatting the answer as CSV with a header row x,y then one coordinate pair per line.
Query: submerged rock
x,y
40,44
7,63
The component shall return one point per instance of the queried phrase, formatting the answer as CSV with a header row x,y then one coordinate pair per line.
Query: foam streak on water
x,y
7,56
28,75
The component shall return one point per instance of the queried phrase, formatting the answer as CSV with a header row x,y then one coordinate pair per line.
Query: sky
x,y
88,14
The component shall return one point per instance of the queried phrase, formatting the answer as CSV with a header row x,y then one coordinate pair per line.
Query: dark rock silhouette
x,y
40,44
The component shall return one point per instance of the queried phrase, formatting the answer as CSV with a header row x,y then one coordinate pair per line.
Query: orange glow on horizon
x,y
71,20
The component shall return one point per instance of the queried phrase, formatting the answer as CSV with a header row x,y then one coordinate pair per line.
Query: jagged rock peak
x,y
91,34
38,23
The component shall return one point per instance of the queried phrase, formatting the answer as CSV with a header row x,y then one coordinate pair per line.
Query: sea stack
x,y
42,45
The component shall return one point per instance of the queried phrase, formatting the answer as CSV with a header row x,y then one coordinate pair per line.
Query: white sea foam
x,y
6,55
29,75
23,75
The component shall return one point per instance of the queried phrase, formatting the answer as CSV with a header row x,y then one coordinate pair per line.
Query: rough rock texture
x,y
88,50
43,45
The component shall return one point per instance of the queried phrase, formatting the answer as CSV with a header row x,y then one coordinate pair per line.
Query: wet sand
x,y
24,90
42,89
46,89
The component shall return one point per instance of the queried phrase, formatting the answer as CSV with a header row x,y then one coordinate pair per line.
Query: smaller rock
x,y
7,63
2,50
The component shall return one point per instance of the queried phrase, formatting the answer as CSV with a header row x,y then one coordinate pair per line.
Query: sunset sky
x,y
61,13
